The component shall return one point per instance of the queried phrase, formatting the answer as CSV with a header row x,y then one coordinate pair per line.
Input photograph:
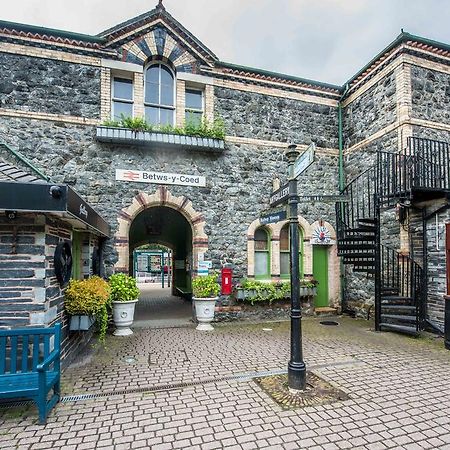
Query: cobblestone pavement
x,y
399,391
157,308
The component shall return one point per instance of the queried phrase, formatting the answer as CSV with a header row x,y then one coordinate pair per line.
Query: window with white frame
x,y
194,107
262,253
159,99
285,252
122,98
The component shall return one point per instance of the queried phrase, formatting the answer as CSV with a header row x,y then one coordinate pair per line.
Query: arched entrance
x,y
165,226
170,221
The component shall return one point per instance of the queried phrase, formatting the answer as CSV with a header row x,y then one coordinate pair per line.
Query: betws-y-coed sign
x,y
160,178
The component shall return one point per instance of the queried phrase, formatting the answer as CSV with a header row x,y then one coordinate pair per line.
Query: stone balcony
x,y
125,136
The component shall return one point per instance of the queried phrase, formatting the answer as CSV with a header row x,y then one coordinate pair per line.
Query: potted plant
x,y
124,295
87,301
205,291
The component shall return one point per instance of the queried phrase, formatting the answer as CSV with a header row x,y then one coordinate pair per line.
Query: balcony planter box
x,y
242,294
81,323
308,292
126,136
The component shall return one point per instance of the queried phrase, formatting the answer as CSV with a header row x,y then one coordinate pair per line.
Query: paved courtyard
x,y
180,388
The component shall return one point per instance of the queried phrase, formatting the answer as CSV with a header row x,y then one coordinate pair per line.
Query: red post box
x,y
227,276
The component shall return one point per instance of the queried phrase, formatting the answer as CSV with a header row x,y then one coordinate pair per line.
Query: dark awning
x,y
57,199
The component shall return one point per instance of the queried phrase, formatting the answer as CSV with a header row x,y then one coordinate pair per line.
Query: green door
x,y
320,272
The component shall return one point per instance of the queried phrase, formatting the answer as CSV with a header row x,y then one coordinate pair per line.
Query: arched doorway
x,y
168,227
169,221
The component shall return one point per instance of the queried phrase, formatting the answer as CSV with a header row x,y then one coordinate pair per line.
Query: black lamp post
x,y
296,366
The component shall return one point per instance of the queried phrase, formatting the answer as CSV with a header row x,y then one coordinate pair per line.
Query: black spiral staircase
x,y
420,172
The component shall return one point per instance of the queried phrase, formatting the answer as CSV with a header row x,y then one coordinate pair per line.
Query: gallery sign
x,y
279,196
160,178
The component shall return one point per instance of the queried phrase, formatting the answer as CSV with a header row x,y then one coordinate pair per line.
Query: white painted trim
x,y
120,65
195,78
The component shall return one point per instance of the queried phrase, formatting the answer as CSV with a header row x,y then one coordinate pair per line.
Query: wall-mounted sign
x,y
160,178
321,236
272,217
179,264
280,195
203,268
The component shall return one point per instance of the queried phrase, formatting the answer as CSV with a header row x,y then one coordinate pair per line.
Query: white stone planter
x,y
123,313
81,323
204,310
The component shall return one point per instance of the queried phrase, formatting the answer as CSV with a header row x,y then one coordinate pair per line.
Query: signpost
x,y
325,198
274,217
304,160
296,366
279,196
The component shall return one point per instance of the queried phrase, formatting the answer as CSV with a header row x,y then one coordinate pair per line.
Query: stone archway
x,y
162,197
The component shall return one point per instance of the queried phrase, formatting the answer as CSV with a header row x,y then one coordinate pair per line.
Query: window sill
x,y
126,136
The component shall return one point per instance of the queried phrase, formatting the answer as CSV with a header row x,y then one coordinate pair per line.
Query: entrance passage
x,y
158,308
320,272
160,243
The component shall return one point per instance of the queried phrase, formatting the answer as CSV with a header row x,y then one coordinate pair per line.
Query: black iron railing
x,y
361,194
423,165
401,277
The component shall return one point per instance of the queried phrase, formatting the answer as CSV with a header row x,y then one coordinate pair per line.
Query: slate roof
x,y
9,172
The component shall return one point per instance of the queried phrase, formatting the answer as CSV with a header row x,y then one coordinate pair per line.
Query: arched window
x,y
262,253
285,252
159,95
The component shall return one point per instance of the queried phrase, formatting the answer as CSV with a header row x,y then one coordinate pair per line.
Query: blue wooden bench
x,y
28,369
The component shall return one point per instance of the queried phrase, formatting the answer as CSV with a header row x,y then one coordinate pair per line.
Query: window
x,y
262,253
122,98
285,252
159,95
194,107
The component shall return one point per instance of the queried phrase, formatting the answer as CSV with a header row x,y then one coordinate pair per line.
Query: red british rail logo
x,y
131,175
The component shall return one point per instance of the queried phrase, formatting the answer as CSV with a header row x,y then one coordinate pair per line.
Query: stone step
x,y
324,311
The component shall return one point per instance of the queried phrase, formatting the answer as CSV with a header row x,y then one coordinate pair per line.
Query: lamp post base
x,y
297,376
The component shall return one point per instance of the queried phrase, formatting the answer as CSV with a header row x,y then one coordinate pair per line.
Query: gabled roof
x,y
137,26
418,42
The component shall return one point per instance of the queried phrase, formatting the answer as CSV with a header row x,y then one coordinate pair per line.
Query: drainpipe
x,y
341,187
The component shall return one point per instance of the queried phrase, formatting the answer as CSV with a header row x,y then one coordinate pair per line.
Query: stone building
x,y
203,196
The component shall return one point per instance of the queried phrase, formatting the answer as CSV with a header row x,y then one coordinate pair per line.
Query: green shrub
x,y
123,288
205,129
272,291
90,297
205,287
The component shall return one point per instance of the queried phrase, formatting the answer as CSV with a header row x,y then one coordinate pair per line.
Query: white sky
x,y
325,40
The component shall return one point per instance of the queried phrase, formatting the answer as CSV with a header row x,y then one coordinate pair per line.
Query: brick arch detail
x,y
162,197
158,43
275,229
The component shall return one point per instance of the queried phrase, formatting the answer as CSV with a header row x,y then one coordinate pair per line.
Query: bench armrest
x,y
50,358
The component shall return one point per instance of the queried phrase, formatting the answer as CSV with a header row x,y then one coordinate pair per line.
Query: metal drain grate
x,y
174,386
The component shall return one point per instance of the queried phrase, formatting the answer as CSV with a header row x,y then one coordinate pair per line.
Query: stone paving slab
x,y
399,392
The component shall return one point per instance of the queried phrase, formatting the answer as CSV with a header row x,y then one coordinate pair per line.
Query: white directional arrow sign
x,y
304,160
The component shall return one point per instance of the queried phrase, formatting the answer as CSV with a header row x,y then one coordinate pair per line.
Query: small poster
x,y
179,264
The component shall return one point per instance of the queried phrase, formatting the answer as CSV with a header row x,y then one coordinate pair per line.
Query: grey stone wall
x,y
239,181
48,86
259,116
430,95
436,266
370,112
22,270
359,160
